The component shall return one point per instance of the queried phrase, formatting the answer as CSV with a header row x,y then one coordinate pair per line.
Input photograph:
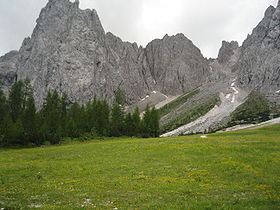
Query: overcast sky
x,y
205,22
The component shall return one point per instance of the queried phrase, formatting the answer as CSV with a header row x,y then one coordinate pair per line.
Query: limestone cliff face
x,y
8,69
176,65
259,62
65,52
70,52
226,52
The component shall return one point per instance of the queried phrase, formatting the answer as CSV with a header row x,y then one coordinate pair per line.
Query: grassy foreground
x,y
238,170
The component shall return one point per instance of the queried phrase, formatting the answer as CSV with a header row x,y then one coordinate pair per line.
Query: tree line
x,y
22,124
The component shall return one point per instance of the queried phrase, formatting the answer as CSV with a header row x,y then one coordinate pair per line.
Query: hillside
x,y
233,170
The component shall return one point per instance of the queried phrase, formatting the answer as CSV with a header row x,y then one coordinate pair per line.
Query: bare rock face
x,y
70,52
176,64
65,52
260,56
227,51
8,73
129,72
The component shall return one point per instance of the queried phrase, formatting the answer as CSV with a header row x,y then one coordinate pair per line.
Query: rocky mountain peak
x,y
259,60
227,51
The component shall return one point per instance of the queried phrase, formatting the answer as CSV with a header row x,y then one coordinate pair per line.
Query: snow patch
x,y
165,95
203,137
232,84
228,96
233,99
278,91
154,91
147,96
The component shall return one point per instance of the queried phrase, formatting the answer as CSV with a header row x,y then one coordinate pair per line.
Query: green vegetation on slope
x,y
237,170
176,103
255,110
191,114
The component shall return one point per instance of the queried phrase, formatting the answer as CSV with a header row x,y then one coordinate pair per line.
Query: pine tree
x,y
146,122
13,131
102,119
50,116
16,100
136,122
74,123
3,107
64,103
154,120
129,125
117,120
150,123
29,121
117,126
3,113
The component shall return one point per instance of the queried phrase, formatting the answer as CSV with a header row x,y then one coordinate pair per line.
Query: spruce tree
x,y
117,120
146,122
129,125
29,121
136,122
50,115
16,100
154,123
117,126
3,113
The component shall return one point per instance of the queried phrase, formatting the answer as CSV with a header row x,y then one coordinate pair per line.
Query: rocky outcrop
x,y
176,65
227,51
8,73
258,65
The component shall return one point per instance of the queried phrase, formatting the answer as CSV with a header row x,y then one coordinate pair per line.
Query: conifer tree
x,y
50,116
16,100
117,120
146,122
117,114
3,108
136,122
154,123
29,121
129,125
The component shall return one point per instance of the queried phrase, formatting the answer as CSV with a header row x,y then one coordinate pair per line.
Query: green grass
x,y
235,170
190,115
177,102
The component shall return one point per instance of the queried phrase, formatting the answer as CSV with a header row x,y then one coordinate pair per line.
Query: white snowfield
x,y
230,100
278,91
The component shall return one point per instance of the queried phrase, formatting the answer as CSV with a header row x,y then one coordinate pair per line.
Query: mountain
x,y
259,62
69,51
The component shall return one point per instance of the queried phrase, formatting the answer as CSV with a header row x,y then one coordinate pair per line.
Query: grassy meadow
x,y
235,170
